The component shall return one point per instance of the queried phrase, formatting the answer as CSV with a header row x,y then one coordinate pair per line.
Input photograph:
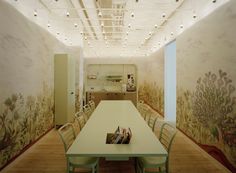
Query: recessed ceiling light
x,y
49,25
155,26
132,15
35,13
172,33
194,16
163,15
75,24
181,26
102,24
81,33
129,25
85,38
67,14
100,14
150,33
127,33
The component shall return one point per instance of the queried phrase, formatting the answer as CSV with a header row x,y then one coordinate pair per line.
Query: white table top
x,y
91,141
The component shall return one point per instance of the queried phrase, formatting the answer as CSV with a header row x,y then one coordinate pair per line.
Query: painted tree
x,y
213,103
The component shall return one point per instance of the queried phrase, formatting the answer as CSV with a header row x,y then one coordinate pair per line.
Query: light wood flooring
x,y
47,156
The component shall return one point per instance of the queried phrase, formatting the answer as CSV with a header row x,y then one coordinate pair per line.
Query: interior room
x,y
118,86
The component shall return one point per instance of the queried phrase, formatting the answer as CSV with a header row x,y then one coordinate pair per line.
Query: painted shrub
x,y
153,95
23,119
208,114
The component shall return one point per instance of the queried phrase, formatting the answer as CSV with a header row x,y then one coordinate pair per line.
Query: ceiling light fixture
x,y
102,24
172,33
214,1
129,26
58,33
49,25
81,33
156,26
163,15
67,14
35,13
132,15
75,24
181,26
99,14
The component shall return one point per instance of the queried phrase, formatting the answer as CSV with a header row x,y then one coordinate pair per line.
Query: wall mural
x,y
77,100
153,95
23,119
208,115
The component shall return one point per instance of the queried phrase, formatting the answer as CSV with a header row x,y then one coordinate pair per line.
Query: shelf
x,y
114,78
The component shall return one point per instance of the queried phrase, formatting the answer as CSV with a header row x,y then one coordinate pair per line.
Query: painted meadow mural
x,y
208,114
23,119
206,84
153,95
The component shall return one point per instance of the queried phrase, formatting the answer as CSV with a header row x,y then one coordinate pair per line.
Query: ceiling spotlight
x,y
171,33
194,16
155,26
150,33
49,25
67,14
81,33
99,14
163,15
132,15
85,38
75,24
181,26
102,24
214,1
35,13
127,33
129,25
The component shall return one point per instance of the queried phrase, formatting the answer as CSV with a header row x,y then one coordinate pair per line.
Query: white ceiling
x,y
116,28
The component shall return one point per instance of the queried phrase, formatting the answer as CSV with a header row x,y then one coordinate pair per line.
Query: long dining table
x,y
108,115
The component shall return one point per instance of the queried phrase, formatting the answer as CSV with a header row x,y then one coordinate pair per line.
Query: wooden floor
x,y
47,156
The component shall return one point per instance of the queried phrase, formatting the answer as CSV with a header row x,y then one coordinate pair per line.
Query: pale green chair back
x,y
87,110
152,121
167,135
67,135
80,117
92,105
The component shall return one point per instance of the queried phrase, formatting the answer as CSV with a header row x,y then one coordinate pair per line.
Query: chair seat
x,y
149,161
83,161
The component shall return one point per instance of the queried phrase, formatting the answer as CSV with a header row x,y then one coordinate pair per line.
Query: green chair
x,y
87,110
160,164
152,121
81,118
67,135
92,105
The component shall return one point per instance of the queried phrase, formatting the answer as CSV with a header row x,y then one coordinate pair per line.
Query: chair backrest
x,y
167,135
152,121
92,105
87,110
67,135
80,118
